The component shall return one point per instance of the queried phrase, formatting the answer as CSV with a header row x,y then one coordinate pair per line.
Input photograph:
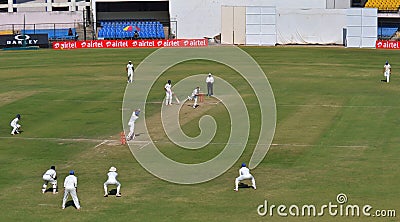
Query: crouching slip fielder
x,y
244,174
387,71
112,180
50,176
194,96
131,123
14,124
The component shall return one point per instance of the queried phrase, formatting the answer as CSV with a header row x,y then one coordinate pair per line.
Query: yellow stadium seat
x,y
6,32
384,5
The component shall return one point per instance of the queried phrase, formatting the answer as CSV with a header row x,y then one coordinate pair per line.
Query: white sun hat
x,y
112,169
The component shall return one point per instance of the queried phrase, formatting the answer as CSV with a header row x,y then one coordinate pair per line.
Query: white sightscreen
x,y
362,27
260,25
310,26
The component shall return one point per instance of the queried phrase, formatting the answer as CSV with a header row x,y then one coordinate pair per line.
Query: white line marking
x,y
146,142
47,204
273,144
87,101
214,103
307,145
57,139
332,106
105,141
144,145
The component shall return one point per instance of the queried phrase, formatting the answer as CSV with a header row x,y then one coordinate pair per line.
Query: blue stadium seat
x,y
113,29
55,34
387,31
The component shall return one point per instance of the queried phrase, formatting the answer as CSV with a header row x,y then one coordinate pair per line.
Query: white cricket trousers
x,y
131,130
195,102
387,75
71,191
15,128
168,98
111,182
245,177
47,179
130,75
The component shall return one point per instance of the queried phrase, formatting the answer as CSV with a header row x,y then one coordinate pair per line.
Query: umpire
x,y
210,83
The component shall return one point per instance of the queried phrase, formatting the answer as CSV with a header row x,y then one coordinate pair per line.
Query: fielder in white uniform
x,y
168,93
70,187
130,69
387,69
244,174
14,124
112,180
50,176
131,124
194,96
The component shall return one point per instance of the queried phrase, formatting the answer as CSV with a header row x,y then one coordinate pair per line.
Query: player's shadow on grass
x,y
70,203
383,80
112,192
244,185
50,190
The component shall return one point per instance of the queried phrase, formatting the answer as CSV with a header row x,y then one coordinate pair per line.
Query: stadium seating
x,y
384,5
126,29
386,32
53,34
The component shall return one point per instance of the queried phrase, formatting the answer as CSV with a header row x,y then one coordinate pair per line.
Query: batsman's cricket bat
x,y
177,100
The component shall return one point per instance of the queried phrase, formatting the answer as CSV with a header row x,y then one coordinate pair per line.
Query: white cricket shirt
x,y
210,79
387,67
71,182
244,171
14,122
167,87
52,173
129,67
112,176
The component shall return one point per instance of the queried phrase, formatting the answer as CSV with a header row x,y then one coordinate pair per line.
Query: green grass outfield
x,y
338,131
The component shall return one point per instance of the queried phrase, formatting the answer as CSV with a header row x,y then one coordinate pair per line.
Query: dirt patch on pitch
x,y
186,114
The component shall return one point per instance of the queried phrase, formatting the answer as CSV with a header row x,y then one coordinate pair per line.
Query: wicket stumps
x,y
123,138
201,97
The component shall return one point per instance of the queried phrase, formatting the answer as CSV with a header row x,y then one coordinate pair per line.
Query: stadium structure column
x,y
10,5
94,14
49,8
73,6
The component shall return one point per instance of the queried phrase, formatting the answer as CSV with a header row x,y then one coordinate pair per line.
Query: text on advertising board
x,y
387,44
130,43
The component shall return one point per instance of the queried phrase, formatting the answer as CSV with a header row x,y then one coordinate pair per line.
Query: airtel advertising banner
x,y
386,44
130,44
